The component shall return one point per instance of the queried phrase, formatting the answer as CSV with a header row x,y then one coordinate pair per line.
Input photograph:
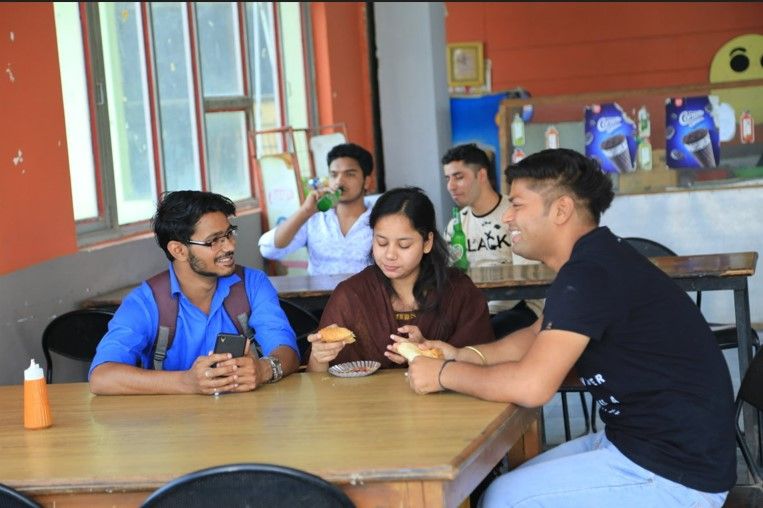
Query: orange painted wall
x,y
341,68
37,220
569,48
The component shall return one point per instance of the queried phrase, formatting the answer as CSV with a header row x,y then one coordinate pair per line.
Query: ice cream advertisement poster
x,y
691,133
610,138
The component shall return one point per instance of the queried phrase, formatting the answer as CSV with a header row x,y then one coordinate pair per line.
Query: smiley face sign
x,y
741,58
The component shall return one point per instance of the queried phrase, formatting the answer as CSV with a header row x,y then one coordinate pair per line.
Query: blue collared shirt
x,y
328,250
132,331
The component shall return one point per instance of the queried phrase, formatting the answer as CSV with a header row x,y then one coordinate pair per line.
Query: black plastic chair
x,y
573,385
303,322
649,248
10,498
725,335
751,392
248,485
74,335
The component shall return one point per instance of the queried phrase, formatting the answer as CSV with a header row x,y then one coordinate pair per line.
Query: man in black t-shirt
x,y
639,344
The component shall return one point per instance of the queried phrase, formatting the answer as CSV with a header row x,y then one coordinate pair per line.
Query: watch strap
x,y
275,367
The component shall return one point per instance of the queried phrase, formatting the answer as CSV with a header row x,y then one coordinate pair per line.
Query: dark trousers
x,y
511,320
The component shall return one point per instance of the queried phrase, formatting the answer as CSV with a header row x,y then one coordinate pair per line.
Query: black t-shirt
x,y
653,365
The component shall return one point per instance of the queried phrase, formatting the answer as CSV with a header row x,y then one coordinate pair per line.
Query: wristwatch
x,y
275,366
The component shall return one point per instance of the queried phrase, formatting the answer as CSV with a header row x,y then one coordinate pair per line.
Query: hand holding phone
x,y
230,343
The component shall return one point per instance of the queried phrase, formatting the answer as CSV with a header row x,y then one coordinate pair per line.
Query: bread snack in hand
x,y
337,334
410,350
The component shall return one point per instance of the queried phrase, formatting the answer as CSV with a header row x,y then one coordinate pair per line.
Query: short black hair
x,y
468,153
178,212
353,151
570,171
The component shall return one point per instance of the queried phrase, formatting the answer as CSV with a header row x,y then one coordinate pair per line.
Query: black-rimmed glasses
x,y
217,241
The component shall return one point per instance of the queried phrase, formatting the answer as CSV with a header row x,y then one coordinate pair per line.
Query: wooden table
x,y
375,438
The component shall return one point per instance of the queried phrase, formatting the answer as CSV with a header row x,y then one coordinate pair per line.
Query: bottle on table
x,y
458,243
36,406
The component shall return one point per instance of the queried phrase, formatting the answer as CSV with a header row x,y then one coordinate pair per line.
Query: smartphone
x,y
230,343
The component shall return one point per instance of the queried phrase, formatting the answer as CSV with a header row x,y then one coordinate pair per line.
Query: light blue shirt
x,y
132,331
328,250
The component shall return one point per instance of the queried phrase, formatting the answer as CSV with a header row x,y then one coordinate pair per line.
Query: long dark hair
x,y
433,273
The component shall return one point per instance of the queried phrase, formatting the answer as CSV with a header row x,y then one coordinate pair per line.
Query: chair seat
x,y
572,383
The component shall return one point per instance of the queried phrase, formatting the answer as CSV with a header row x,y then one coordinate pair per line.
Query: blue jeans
x,y
590,472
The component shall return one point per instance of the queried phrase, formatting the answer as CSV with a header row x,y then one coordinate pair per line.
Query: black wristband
x,y
439,376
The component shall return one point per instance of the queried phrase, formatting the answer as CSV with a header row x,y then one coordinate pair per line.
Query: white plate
x,y
355,369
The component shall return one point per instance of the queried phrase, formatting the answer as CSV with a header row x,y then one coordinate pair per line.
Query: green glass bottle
x,y
329,200
458,243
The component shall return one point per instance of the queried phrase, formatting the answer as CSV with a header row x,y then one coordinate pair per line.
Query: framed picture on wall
x,y
466,64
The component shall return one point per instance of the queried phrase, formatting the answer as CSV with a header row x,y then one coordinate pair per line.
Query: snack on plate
x,y
337,334
410,350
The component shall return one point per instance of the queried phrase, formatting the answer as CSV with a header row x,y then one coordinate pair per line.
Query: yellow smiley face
x,y
740,59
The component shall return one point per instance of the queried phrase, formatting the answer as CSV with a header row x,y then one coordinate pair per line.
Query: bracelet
x,y
439,376
479,353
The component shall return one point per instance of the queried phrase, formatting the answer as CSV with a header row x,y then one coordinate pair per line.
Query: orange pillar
x,y
343,89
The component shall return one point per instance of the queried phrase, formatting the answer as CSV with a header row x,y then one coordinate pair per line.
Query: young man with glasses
x,y
193,229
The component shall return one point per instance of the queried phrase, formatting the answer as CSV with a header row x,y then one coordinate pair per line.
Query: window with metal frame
x,y
164,96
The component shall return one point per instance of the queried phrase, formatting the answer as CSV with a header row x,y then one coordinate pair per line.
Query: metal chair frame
x,y
750,392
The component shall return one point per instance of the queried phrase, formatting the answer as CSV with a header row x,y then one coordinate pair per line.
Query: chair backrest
x,y
648,247
75,335
10,498
302,321
250,485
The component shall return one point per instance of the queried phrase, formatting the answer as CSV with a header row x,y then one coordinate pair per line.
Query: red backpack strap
x,y
237,305
168,316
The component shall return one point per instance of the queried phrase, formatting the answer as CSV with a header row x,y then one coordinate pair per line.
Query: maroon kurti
x,y
362,304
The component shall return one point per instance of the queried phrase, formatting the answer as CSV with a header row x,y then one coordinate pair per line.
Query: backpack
x,y
236,304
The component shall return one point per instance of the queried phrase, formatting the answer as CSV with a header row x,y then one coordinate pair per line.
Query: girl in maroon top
x,y
409,291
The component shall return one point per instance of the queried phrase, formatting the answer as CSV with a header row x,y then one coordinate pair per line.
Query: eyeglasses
x,y
217,241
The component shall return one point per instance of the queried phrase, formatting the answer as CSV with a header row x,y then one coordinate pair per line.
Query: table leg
x,y
744,337
526,448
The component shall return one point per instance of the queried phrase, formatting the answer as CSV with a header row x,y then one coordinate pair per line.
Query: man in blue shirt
x,y
192,228
338,240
